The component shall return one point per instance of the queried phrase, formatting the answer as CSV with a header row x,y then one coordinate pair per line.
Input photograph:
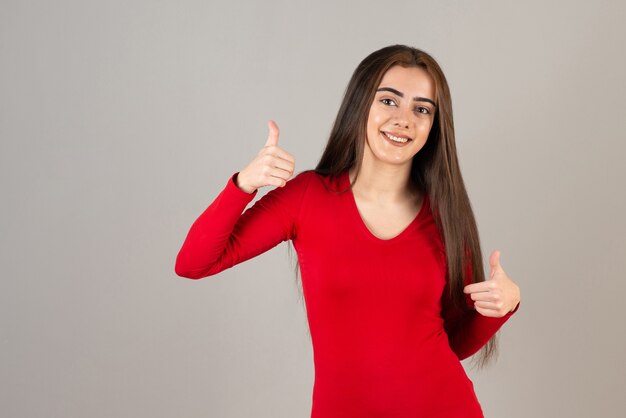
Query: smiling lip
x,y
397,135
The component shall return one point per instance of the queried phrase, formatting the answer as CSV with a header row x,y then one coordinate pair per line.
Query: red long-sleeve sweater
x,y
386,340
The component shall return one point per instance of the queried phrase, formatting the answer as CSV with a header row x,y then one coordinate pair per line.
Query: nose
x,y
402,118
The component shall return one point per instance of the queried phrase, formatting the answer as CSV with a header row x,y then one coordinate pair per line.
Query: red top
x,y
376,308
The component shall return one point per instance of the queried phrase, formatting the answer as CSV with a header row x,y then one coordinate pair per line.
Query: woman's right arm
x,y
222,236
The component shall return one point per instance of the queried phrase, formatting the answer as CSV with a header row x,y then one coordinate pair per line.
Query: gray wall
x,y
121,121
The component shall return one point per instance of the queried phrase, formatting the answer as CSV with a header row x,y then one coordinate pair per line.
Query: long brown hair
x,y
435,168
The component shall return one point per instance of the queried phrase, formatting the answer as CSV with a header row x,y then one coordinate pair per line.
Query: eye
x,y
423,110
387,100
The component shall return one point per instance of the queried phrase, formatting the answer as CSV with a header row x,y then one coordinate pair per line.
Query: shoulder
x,y
312,183
295,188
307,178
301,180
305,175
315,179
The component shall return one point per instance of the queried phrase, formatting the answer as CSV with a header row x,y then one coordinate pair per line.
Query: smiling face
x,y
400,116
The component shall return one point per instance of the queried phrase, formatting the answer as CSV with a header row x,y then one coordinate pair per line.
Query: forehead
x,y
412,81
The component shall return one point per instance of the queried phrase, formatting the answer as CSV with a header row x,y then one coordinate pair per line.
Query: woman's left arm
x,y
494,301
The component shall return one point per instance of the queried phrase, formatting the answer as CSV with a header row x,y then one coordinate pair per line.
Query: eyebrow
x,y
398,93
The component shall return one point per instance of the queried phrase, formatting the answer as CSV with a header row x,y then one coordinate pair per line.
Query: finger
x,y
478,287
487,312
278,173
484,296
273,177
285,165
279,152
272,161
275,181
272,138
496,306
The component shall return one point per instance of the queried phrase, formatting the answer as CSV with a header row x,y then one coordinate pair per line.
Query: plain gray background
x,y
120,121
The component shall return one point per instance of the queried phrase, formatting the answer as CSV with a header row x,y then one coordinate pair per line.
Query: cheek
x,y
374,121
424,127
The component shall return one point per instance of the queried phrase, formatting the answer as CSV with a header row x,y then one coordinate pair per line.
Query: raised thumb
x,y
272,138
494,263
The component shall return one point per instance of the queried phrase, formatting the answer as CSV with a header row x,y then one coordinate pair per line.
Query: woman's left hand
x,y
497,295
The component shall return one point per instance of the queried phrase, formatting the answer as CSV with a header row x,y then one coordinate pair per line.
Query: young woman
x,y
387,245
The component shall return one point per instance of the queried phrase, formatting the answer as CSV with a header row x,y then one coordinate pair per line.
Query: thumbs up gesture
x,y
498,294
272,165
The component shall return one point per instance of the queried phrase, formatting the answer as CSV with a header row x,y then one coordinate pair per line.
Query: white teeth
x,y
395,138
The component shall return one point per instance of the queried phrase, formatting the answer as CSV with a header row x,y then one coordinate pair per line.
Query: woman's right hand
x,y
271,167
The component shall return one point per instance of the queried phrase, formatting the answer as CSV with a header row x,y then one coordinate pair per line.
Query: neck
x,y
384,182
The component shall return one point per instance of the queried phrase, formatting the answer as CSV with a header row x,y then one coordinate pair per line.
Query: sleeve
x,y
468,332
222,236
